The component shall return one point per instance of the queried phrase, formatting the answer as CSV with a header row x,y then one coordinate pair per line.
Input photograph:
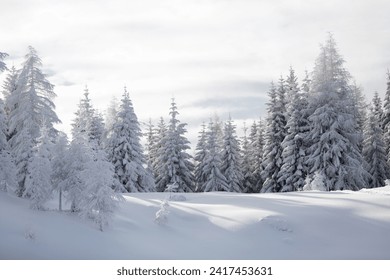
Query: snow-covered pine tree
x,y
245,162
125,151
292,173
275,133
377,107
200,155
256,150
386,117
178,168
150,144
158,165
334,151
60,172
215,180
31,107
2,64
231,158
38,184
374,151
9,87
8,180
110,117
99,201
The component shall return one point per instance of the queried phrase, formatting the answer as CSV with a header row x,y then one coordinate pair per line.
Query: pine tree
x,y
38,186
231,158
178,167
200,156
99,201
60,173
150,143
215,180
9,87
275,133
292,173
2,64
334,151
80,152
246,155
377,106
8,181
374,151
126,153
158,164
110,120
255,157
386,117
31,107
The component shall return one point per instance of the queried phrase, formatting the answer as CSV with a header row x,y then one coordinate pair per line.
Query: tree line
x,y
320,135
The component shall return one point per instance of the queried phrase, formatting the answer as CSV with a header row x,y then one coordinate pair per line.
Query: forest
x,y
320,134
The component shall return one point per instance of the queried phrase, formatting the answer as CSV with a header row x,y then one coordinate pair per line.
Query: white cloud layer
x,y
195,50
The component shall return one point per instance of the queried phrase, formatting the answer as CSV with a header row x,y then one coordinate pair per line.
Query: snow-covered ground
x,y
299,225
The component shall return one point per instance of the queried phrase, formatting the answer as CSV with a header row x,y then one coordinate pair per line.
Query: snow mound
x,y
382,191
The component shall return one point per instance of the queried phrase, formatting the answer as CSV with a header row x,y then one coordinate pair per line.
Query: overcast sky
x,y
215,56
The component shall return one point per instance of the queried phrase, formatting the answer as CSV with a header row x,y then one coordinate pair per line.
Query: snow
x,y
215,225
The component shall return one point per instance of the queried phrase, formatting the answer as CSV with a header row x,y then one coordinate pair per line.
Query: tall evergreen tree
x,y
178,169
215,180
200,156
60,173
275,133
377,107
99,201
2,64
125,150
246,155
31,107
158,165
8,180
38,186
374,151
9,87
231,158
110,117
334,151
292,174
386,117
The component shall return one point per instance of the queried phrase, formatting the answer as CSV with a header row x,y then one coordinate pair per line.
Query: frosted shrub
x,y
315,184
162,214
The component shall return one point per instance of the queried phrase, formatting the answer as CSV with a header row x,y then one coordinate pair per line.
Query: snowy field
x,y
299,225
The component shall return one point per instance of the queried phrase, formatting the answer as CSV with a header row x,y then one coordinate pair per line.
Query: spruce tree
x,y
374,151
158,164
292,173
9,87
178,168
386,117
334,151
2,64
275,133
8,181
200,156
215,180
231,158
99,201
60,173
31,107
38,185
125,151
246,155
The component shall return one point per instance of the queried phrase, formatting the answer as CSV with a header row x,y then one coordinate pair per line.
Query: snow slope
x,y
299,225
